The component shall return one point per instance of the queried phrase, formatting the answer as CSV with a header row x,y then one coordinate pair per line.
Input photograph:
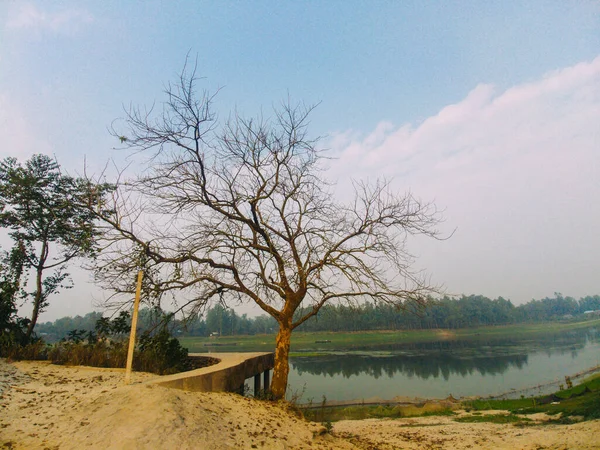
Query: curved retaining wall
x,y
227,375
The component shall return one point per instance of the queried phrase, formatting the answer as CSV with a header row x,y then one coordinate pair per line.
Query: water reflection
x,y
421,366
443,358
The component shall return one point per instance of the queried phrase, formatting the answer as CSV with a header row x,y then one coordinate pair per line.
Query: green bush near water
x,y
84,353
159,353
108,345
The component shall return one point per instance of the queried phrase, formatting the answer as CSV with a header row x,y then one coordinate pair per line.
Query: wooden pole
x,y
136,307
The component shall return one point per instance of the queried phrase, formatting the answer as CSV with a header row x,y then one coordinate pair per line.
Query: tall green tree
x,y
47,226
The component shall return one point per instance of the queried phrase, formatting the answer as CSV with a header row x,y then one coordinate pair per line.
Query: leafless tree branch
x,y
244,208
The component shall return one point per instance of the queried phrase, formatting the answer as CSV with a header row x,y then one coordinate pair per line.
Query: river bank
x,y
54,407
314,344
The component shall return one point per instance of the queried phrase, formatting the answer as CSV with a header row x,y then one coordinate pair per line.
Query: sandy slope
x,y
444,433
45,406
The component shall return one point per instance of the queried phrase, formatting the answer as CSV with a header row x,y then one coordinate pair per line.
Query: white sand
x,y
43,406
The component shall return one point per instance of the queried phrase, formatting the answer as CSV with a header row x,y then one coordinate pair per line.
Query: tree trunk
x,y
37,300
282,365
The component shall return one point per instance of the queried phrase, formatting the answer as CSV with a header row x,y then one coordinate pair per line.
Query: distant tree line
x,y
217,320
448,313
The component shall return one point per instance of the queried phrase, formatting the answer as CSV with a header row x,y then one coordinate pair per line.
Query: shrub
x,y
35,350
13,329
107,347
100,353
161,353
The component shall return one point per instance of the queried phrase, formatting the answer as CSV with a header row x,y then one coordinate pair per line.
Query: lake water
x,y
438,369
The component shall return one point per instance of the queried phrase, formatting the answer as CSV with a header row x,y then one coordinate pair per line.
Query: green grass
x,y
508,405
493,418
359,412
307,354
591,383
582,400
303,344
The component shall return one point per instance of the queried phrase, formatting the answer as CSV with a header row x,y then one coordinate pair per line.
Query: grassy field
x,y
307,345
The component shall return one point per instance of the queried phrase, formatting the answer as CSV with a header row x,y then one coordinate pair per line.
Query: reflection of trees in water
x,y
444,358
420,366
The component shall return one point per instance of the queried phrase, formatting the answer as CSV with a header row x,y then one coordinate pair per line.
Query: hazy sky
x,y
492,109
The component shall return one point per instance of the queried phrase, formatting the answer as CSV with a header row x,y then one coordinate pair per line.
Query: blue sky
x,y
488,108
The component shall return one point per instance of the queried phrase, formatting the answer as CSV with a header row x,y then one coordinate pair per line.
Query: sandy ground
x,y
43,406
444,433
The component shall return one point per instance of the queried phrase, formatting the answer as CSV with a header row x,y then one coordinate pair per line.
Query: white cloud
x,y
29,17
519,175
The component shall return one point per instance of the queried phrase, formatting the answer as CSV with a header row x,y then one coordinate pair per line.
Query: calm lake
x,y
438,369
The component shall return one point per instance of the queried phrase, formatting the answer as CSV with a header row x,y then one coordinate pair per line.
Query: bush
x,y
35,350
101,353
158,353
162,354
13,329
14,342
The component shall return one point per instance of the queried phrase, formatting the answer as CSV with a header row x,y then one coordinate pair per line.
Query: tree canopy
x,y
38,206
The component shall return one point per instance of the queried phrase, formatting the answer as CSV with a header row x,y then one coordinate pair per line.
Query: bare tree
x,y
243,208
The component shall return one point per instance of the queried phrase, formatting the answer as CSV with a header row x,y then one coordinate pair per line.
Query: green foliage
x,y
119,326
107,346
94,321
101,347
13,329
41,208
493,418
324,413
486,404
77,336
161,353
101,353
446,313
